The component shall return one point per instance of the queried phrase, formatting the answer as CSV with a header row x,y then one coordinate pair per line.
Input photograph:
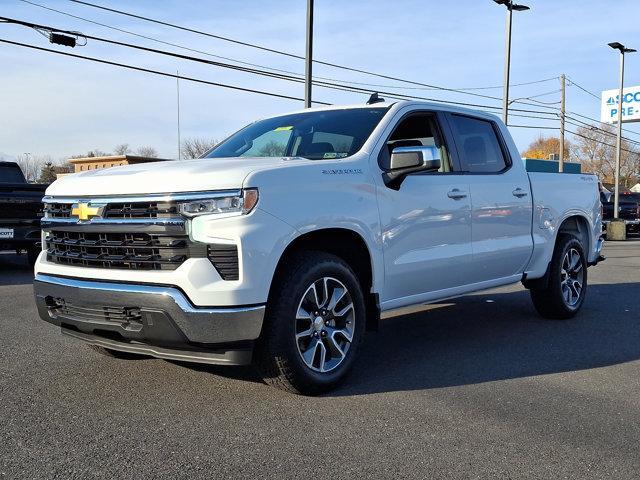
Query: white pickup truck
x,y
298,233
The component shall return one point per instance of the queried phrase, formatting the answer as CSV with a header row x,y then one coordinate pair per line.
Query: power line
x,y
176,45
534,127
428,86
157,72
605,132
129,32
598,121
146,37
423,86
234,87
571,82
323,84
495,87
598,141
280,52
632,143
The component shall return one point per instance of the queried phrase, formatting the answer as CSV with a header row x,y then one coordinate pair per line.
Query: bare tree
x,y
596,149
273,149
147,152
122,149
195,147
31,165
91,153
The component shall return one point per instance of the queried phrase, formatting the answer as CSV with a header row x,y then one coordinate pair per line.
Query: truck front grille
x,y
134,251
139,210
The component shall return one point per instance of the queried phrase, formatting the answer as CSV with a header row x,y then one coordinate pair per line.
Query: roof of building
x,y
118,158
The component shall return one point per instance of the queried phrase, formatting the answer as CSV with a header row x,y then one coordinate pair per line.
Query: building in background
x,y
84,164
96,163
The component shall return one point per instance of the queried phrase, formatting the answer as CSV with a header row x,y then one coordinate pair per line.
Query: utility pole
x,y
507,61
507,68
562,117
308,56
616,195
178,99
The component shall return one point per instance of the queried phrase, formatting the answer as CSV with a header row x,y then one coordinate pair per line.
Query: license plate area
x,y
6,233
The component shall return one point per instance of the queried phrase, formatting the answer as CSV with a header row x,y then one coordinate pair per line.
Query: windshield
x,y
11,174
313,135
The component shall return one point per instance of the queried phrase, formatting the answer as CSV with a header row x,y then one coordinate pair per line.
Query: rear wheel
x,y
314,325
567,283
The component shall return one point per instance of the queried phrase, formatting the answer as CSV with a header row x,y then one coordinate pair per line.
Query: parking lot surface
x,y
475,387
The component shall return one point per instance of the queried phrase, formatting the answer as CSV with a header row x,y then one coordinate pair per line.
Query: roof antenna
x,y
374,98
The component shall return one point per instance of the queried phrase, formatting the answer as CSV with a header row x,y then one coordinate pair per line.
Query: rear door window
x,y
478,145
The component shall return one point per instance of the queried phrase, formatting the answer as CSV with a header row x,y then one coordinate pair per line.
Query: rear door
x,y
426,223
500,199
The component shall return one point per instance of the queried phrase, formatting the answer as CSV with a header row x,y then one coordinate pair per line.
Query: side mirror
x,y
408,160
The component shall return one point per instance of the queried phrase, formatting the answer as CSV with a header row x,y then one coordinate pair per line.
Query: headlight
x,y
229,204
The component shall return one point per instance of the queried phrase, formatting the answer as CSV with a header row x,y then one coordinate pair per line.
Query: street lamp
x,y
622,49
507,62
308,79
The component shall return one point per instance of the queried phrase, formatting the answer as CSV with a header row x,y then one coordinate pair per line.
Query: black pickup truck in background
x,y
628,210
20,211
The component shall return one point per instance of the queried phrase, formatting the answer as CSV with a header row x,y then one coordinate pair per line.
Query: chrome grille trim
x,y
169,221
152,197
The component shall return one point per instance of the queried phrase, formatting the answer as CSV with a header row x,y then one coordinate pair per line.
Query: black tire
x,y
32,254
107,352
278,355
552,302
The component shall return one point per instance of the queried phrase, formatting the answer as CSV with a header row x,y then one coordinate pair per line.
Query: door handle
x,y
518,192
456,194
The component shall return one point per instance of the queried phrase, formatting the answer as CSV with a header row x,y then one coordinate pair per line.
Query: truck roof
x,y
398,104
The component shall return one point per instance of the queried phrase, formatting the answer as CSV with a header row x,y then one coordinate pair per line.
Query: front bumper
x,y
158,321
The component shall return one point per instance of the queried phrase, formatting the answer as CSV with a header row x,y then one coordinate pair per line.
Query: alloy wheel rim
x,y
572,277
324,324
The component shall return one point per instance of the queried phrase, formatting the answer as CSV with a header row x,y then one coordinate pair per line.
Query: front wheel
x,y
314,325
567,283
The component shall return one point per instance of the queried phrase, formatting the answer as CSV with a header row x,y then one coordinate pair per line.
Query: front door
x,y
426,223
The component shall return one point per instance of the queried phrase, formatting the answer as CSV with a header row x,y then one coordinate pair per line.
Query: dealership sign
x,y
630,105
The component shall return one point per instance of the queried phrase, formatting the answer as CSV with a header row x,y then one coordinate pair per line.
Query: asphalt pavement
x,y
476,387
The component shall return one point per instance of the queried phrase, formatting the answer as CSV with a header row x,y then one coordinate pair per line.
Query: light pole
x,y
622,49
507,61
308,56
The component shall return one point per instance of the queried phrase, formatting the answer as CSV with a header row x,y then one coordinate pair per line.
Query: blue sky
x,y
63,106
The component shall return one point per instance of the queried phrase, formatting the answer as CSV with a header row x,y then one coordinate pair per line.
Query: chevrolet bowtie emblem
x,y
86,211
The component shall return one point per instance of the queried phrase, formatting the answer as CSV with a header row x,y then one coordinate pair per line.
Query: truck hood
x,y
165,177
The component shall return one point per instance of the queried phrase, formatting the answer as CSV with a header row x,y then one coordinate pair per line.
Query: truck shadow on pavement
x,y
15,270
496,336
487,337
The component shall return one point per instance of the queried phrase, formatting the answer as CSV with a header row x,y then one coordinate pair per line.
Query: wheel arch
x,y
349,246
574,224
